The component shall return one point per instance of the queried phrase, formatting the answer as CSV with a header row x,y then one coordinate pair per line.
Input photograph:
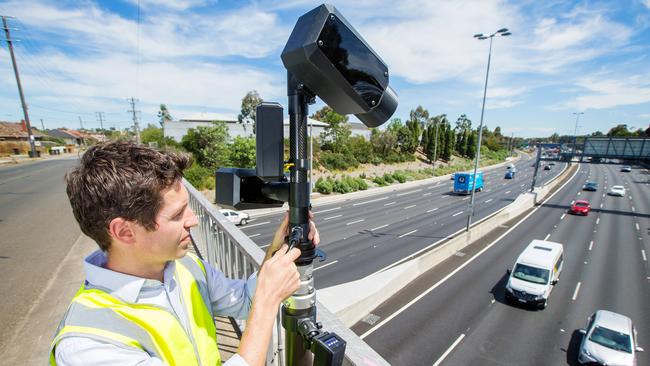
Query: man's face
x,y
171,238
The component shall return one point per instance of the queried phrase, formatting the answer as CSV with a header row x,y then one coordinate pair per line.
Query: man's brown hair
x,y
120,179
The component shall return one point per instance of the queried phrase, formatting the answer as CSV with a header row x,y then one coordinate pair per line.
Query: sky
x,y
77,58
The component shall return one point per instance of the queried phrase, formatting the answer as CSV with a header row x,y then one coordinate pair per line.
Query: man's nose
x,y
192,220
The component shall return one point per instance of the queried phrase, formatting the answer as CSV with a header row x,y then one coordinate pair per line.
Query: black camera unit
x,y
324,57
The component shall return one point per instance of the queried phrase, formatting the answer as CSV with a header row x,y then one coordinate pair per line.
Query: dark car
x,y
626,168
547,167
510,174
580,207
590,186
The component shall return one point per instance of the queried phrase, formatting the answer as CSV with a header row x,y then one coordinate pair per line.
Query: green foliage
x,y
248,107
338,161
361,182
399,176
338,131
200,177
380,181
242,152
324,186
361,149
209,145
342,186
389,178
164,115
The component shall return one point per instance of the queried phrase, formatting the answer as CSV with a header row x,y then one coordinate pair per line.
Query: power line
x,y
100,117
136,127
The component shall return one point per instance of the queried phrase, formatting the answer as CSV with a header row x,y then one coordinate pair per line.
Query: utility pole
x,y
42,124
435,147
136,127
30,136
81,123
100,118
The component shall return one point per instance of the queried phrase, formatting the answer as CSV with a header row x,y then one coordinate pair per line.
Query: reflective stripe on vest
x,y
96,314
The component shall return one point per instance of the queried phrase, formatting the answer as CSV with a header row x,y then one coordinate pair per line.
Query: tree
x,y
554,138
163,115
470,150
449,144
597,134
424,142
338,131
242,152
619,131
248,105
209,145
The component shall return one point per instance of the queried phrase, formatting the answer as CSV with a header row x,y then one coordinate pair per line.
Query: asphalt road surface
x,y
464,319
364,235
38,229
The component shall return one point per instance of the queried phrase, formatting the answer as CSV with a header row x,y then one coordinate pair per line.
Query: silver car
x,y
626,168
617,191
609,339
237,218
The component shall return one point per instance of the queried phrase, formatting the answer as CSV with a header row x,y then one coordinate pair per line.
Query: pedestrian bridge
x,y
598,148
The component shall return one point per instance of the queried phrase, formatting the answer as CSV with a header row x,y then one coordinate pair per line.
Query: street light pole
x,y
575,133
502,32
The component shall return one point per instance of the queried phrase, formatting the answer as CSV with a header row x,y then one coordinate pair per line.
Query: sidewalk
x,y
14,160
30,344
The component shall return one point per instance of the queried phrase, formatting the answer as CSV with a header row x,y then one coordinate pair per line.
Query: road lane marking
x,y
457,213
405,193
390,203
331,217
433,209
547,236
489,200
637,226
379,227
375,200
448,351
427,194
522,185
575,293
411,206
466,198
355,222
643,255
410,232
264,246
563,216
633,209
328,210
261,223
579,193
325,265
508,192
591,245
598,221
601,205
254,235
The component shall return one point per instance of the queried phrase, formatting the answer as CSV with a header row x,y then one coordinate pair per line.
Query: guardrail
x,y
222,244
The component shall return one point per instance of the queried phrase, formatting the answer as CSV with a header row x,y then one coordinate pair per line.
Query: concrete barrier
x,y
353,300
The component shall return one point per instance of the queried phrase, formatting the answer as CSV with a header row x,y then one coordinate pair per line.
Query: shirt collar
x,y
124,286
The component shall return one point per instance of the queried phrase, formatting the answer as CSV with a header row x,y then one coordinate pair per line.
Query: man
x,y
146,301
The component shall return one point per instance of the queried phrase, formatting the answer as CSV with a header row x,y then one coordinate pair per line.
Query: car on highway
x,y
237,218
580,207
510,174
609,339
617,191
626,168
551,163
590,186
547,167
535,273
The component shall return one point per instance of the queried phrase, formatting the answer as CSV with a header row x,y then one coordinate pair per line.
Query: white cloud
x,y
169,4
646,3
602,92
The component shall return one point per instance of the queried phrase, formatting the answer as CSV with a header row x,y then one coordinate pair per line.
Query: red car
x,y
580,207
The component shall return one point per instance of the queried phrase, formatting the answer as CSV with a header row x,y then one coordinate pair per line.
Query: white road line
x,y
637,226
331,217
466,198
457,213
375,200
325,265
633,209
264,246
433,209
575,293
254,235
405,193
427,194
579,193
547,236
411,206
591,245
379,227
489,200
328,210
355,222
261,223
643,255
522,185
459,268
563,216
601,205
410,232
598,221
487,190
448,351
390,203
508,192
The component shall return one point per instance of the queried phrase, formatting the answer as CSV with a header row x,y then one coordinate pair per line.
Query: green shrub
x,y
324,186
198,176
399,176
362,175
338,161
352,182
341,186
363,185
389,178
380,181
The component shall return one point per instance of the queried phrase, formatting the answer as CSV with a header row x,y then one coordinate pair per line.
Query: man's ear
x,y
122,230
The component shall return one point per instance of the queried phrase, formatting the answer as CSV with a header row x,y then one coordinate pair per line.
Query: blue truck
x,y
463,182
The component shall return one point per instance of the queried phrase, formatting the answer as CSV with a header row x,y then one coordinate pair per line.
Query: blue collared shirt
x,y
229,298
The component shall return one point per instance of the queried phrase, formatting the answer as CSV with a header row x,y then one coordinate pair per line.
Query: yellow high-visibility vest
x,y
96,314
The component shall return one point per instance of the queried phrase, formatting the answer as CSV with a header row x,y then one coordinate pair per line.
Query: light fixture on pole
x,y
501,32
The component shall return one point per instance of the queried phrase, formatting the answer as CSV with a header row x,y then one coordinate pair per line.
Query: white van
x,y
535,273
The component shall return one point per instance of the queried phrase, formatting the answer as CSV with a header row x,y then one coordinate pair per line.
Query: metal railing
x,y
223,245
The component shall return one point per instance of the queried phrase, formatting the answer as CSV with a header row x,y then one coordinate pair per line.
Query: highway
x,y
456,313
364,235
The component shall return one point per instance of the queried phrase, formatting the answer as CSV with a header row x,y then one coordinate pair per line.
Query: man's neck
x,y
135,266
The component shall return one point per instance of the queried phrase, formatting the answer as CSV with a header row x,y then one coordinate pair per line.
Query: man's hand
x,y
283,231
279,278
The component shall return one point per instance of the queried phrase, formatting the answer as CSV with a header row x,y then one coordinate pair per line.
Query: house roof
x,y
15,130
64,133
209,117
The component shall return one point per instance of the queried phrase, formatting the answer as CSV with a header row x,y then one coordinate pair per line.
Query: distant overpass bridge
x,y
599,148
